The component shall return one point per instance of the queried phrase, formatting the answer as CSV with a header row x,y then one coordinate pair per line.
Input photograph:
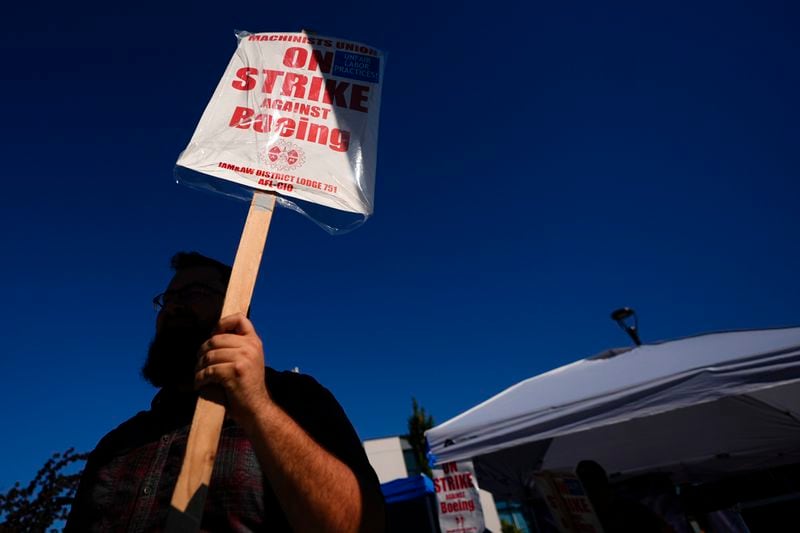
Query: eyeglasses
x,y
191,294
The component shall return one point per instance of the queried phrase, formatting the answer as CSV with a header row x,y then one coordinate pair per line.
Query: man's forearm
x,y
315,489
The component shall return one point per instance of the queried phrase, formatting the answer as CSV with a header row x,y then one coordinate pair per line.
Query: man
x,y
288,458
616,514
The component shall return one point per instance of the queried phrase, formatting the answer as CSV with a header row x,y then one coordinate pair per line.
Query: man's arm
x,y
316,490
78,518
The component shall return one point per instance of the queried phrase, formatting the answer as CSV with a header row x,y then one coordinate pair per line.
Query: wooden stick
x,y
188,498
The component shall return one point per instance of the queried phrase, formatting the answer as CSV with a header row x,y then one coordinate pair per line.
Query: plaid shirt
x,y
128,481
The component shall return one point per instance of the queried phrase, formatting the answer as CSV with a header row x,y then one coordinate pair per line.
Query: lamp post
x,y
622,317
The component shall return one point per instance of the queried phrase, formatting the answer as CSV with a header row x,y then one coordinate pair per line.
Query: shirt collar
x,y
170,400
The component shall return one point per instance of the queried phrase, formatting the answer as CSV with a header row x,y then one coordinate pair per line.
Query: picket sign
x,y
297,115
458,498
191,489
568,502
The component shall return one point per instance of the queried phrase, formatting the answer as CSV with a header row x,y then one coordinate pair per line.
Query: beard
x,y
172,356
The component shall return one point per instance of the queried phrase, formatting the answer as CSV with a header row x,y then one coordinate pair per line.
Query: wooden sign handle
x,y
188,498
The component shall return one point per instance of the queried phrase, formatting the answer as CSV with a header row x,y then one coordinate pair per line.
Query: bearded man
x,y
288,458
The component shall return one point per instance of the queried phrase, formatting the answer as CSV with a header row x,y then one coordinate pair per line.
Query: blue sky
x,y
540,164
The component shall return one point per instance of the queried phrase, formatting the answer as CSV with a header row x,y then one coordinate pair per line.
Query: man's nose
x,y
175,309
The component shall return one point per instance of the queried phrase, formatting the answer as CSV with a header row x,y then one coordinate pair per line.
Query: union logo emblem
x,y
283,155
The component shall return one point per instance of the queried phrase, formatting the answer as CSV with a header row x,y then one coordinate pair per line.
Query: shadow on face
x,y
190,310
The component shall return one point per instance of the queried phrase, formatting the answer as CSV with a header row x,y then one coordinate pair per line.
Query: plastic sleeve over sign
x,y
297,115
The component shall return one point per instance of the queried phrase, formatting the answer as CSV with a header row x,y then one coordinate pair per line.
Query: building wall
x,y
386,457
490,517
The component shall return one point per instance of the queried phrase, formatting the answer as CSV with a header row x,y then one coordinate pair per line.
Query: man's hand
x,y
316,490
234,359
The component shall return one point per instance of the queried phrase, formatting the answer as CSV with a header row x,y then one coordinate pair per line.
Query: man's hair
x,y
591,471
184,260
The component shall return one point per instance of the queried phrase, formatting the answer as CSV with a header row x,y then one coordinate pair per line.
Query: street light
x,y
622,317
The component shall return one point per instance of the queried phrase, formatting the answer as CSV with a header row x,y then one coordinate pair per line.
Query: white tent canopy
x,y
697,406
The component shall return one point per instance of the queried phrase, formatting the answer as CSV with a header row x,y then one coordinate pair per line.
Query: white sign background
x,y
295,114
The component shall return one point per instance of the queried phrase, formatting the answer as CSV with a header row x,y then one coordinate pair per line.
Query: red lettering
x,y
295,57
577,505
263,123
271,76
321,60
335,91
340,140
241,117
315,88
336,139
358,95
294,85
553,502
286,126
246,79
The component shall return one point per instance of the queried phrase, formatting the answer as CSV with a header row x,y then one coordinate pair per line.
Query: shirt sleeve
x,y
79,514
84,512
316,410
